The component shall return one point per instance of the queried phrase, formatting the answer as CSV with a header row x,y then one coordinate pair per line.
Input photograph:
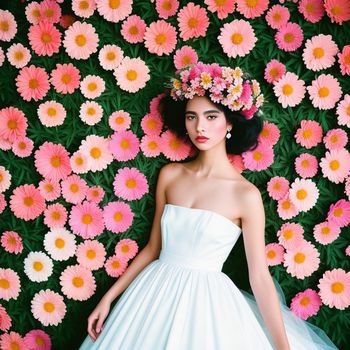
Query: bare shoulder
x,y
250,197
170,170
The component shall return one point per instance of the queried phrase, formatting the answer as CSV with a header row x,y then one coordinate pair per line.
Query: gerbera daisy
x,y
48,307
11,241
49,189
302,261
126,248
160,38
306,304
289,37
79,163
52,161
84,8
37,339
60,244
274,254
92,86
335,165
335,288
8,25
110,57
151,145
304,194
258,159
114,10
277,16
319,52
80,40
95,194
277,187
252,9
78,283
50,11
5,179
38,266
290,235
339,213
132,74
335,139
338,10
119,120
12,340
130,184
3,203
44,38
325,91
74,189
115,266
90,112
26,202
274,71
95,148
269,134
222,7
237,38
13,123
55,216
154,104
86,220
32,83
326,232
312,10
343,111
32,12
286,208
309,134
65,78
5,320
5,145
91,254
152,124
166,8
193,21
10,284
289,89
344,60
117,216
51,113
133,29
306,165
18,55
124,145
22,147
185,56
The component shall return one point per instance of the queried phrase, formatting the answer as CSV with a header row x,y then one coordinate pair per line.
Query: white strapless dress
x,y
182,300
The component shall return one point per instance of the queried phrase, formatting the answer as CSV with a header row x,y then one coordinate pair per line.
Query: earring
x,y
228,135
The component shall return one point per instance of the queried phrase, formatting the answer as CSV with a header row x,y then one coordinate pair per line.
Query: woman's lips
x,y
201,138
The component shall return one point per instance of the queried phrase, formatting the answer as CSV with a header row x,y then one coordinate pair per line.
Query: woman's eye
x,y
190,117
211,117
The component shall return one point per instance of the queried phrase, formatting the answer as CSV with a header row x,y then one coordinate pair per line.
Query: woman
x,y
176,296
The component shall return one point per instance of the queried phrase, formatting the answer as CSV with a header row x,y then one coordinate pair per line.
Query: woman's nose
x,y
200,125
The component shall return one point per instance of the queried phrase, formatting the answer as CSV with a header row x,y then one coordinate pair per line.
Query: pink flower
x,y
84,8
167,8
79,163
344,60
185,56
78,283
10,284
274,71
237,38
44,38
269,134
133,29
49,189
26,202
258,159
8,28
52,161
86,220
74,189
335,165
223,8
130,184
289,37
306,304
22,147
335,288
115,266
325,91
277,16
12,340
339,213
3,203
95,194
11,241
18,55
32,83
110,57
302,261
5,179
5,320
152,124
306,165
151,145
91,112
80,40
335,139
277,187
326,232
37,339
32,12
309,134
252,9
304,194
119,120
343,111
50,11
65,78
55,216
124,145
92,86
117,216
114,10
13,123
290,235
173,147
193,21
274,254
312,10
337,10
126,248
91,254
51,113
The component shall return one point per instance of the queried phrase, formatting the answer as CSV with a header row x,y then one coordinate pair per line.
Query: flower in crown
x,y
225,85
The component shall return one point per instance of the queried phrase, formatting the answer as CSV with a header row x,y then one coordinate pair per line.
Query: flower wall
x,y
81,144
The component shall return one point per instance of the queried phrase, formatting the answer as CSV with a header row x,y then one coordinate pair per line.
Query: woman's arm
x,y
253,228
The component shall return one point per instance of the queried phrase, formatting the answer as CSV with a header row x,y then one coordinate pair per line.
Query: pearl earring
x,y
228,135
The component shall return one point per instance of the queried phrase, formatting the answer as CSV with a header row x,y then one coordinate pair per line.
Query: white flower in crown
x,y
259,101
237,73
255,88
206,80
235,91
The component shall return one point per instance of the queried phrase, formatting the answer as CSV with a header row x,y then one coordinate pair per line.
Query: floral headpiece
x,y
225,85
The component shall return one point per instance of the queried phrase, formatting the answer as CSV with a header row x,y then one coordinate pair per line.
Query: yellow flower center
x,y
51,112
38,266
277,17
277,186
131,183
111,56
125,248
347,59
160,39
301,194
287,89
77,282
286,204
60,243
119,120
22,145
288,234
186,60
55,161
39,341
125,144
28,201
236,38
251,3
318,52
131,74
92,86
305,301
91,254
91,111
4,283
299,258
115,264
274,72
95,152
114,4
192,23
257,155
66,78
152,145
33,83
151,124
133,30
83,5
337,287
174,143
118,216
4,26
289,37
12,124
49,12
338,212
307,133
80,40
336,10
49,188
79,161
305,163
325,230
220,2
86,219
334,164
49,307
271,254
74,188
166,5
310,7
55,215
19,55
334,138
46,38
323,92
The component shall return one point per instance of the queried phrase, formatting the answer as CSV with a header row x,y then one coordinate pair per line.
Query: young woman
x,y
175,295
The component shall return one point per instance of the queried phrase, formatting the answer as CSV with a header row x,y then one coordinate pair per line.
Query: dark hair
x,y
244,132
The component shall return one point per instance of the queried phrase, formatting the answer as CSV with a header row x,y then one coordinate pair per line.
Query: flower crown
x,y
225,85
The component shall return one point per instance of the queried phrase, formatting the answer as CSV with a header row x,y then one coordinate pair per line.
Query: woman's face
x,y
205,123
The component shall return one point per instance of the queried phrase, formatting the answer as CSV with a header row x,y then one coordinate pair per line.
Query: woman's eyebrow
x,y
206,112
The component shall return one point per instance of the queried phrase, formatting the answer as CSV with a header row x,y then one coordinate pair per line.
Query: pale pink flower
x,y
126,248
152,124
269,134
304,194
274,254
185,56
12,340
22,147
326,232
117,216
79,163
50,11
166,8
335,139
115,266
32,12
151,145
335,165
252,9
277,187
306,304
92,86
173,147
124,145
3,203
306,165
91,254
18,55
337,10
5,320
11,241
13,123
114,10
51,113
8,28
343,111
309,134
84,8
95,194
10,284
55,215
339,213
110,57
258,159
290,235
90,112
223,8
74,189
50,189
133,29
119,120
274,71
5,179
286,208
344,60
2,56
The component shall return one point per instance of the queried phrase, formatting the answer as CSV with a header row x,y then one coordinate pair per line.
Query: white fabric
x,y
182,301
